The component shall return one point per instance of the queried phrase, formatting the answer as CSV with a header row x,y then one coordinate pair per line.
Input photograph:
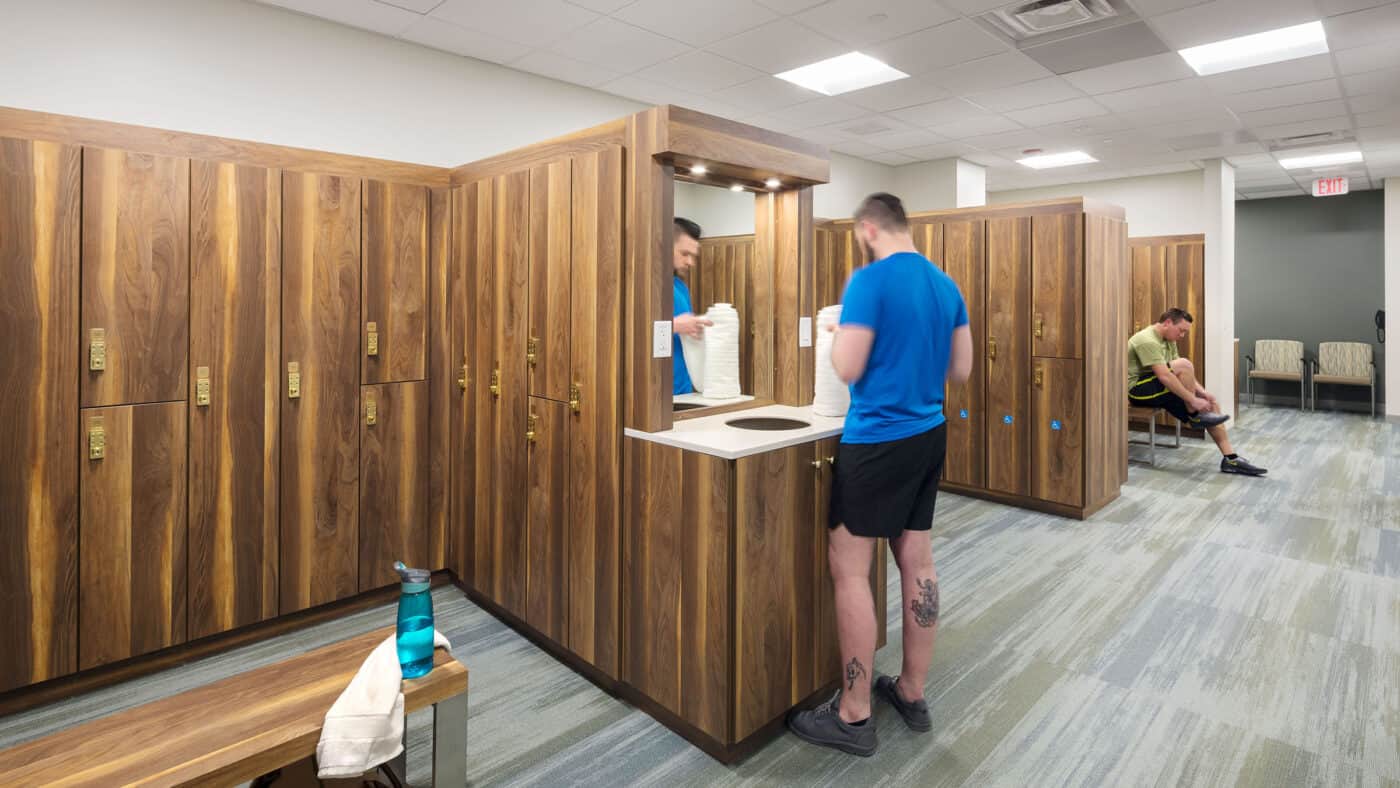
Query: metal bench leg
x,y
450,741
1152,440
1302,395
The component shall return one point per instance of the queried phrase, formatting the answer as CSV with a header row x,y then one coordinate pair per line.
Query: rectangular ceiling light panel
x,y
1047,160
1320,160
1273,46
842,74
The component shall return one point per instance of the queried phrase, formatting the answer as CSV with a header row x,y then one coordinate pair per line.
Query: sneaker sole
x,y
1238,472
895,702
843,746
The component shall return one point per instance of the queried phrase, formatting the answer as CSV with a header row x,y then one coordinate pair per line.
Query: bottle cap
x,y
414,580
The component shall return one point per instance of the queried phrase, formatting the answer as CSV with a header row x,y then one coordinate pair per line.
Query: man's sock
x,y
1232,456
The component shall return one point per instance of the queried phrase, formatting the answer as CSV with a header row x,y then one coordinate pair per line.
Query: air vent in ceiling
x,y
1027,20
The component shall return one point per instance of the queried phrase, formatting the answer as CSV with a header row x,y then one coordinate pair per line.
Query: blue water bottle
x,y
415,632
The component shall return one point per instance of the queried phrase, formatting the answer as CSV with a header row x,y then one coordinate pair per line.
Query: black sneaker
x,y
915,714
1208,419
1241,466
823,725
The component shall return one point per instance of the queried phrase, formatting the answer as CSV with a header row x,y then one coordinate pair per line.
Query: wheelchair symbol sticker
x,y
1006,419
1055,424
962,413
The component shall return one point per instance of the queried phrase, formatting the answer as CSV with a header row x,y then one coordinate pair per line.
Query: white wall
x,y
1392,297
852,180
717,210
1155,204
1218,207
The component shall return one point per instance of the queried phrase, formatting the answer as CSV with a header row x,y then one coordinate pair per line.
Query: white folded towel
x,y
694,351
722,353
364,727
832,397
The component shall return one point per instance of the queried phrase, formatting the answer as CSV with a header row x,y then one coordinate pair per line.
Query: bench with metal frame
x,y
1150,414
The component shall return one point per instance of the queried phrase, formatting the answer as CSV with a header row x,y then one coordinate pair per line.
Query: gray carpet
x,y
1202,630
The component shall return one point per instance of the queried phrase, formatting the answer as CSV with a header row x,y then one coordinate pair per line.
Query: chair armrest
x,y
1250,360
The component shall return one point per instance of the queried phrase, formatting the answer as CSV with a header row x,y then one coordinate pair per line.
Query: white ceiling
x,y
971,94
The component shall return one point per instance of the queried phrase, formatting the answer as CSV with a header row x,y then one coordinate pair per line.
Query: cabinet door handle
x,y
201,387
1039,326
1039,376
97,349
575,397
371,409
817,464
97,439
495,383
992,348
462,377
530,423
371,339
531,349
293,380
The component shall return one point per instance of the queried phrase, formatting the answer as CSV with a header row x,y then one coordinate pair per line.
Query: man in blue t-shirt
x,y
685,252
903,333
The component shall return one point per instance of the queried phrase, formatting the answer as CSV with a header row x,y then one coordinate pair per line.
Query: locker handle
x,y
293,380
530,424
462,377
371,409
1137,327
1039,326
97,349
992,348
201,387
495,383
97,439
817,464
1039,376
575,397
531,349
372,339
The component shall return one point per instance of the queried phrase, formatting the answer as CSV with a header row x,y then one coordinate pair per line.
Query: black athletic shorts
x,y
884,489
1149,392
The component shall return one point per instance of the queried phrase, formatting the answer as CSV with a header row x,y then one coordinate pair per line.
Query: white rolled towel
x,y
694,351
832,397
722,353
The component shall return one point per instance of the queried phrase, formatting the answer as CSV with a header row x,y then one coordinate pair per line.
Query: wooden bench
x,y
236,729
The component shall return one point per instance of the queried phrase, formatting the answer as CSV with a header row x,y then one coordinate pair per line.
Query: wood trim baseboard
x,y
1021,502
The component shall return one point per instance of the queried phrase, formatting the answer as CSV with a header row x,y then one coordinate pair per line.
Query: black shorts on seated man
x,y
1159,378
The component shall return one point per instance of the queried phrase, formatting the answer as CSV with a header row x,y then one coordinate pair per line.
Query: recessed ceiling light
x,y
1047,160
1273,46
1320,160
772,183
738,187
698,169
842,74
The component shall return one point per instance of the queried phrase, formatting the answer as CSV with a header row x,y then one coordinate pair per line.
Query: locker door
x,y
511,248
1185,287
136,277
320,413
550,195
1057,443
826,651
1160,300
965,260
477,284
929,240
395,282
1057,258
393,480
40,188
546,607
235,343
132,532
1008,353
1141,274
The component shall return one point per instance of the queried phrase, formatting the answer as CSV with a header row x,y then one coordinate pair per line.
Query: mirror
x,y
714,368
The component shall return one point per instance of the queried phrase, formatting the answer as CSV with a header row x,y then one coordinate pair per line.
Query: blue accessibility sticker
x,y
1005,419
1055,424
962,413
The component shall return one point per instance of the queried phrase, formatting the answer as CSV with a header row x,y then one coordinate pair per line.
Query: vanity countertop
x,y
698,399
710,434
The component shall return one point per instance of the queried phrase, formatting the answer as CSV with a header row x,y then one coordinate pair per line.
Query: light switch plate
x,y
804,331
661,339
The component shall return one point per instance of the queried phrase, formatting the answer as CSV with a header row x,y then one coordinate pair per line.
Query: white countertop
x,y
710,434
700,399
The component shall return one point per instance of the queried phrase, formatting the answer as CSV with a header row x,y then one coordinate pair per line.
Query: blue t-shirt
x,y
680,376
913,307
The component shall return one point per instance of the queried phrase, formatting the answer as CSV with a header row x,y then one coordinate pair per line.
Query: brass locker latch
x,y
1040,376
532,347
1137,327
371,409
372,342
201,386
97,349
992,348
575,397
817,464
97,439
1039,326
462,377
496,383
293,380
530,423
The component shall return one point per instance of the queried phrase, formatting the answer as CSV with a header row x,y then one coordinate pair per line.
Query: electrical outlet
x,y
661,339
804,331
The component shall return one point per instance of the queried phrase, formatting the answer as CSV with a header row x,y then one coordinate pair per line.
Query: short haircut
x,y
1174,315
885,211
687,227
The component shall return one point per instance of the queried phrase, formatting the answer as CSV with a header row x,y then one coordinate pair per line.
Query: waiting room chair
x,y
1277,359
1344,364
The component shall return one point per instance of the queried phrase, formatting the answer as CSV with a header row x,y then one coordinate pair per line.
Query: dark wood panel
x,y
1057,259
794,296
136,275
739,150
842,258
720,278
928,240
235,339
1008,353
611,134
40,190
393,480
965,260
762,294
648,273
1107,323
1142,288
395,281
551,197
479,283
547,519
444,393
1057,430
320,428
511,247
132,533
595,434
826,651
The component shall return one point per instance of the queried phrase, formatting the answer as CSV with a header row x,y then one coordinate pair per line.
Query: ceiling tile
x,y
721,19
1384,117
1098,48
787,7
937,47
1224,19
364,14
1373,26
902,140
1303,93
1368,58
1291,72
1181,91
1384,82
601,6
819,112
988,160
1200,114
973,7
1030,94
778,46
856,148
699,72
533,22
893,159
1335,7
1017,140
1165,67
943,150
617,46
1159,7
1220,122
990,73
416,6
563,68
1372,102
1058,112
448,37
897,95
935,112
1278,115
765,93
1302,127
974,127
864,22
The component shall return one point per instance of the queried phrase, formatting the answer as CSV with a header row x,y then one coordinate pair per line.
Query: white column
x,y
1392,298
1218,201
941,184
972,184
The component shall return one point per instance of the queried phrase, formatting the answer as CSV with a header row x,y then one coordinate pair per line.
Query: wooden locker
x,y
1186,289
826,651
1142,314
235,342
1057,260
395,282
40,190
478,284
547,517
965,260
1057,430
595,429
132,532
136,277
929,240
320,400
547,348
443,375
511,229
393,480
1008,353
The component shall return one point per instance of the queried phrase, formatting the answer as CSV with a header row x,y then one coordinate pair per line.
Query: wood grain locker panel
x,y
965,260
511,229
1142,288
479,272
547,520
929,240
1057,431
551,198
443,390
395,281
1057,262
1008,353
393,480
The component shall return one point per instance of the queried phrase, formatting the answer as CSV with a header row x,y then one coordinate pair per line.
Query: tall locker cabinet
x,y
1169,271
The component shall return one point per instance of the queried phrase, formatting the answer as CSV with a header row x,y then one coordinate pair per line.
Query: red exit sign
x,y
1330,187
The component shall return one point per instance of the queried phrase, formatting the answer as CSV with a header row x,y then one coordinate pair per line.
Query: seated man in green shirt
x,y
1159,378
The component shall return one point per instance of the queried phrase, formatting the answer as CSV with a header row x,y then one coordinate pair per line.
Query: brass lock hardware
x,y
1039,326
462,377
532,347
201,386
496,383
371,409
372,339
575,397
530,424
992,348
1039,376
97,349
293,380
97,439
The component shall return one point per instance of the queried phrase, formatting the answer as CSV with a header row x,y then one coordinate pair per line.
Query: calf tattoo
x,y
854,671
925,607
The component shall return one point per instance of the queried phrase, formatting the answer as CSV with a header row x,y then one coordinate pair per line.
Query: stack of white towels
x,y
833,398
713,360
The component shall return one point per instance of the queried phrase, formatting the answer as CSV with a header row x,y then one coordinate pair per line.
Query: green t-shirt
x,y
1146,349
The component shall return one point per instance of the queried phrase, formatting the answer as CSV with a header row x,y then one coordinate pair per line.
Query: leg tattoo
x,y
854,671
925,608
